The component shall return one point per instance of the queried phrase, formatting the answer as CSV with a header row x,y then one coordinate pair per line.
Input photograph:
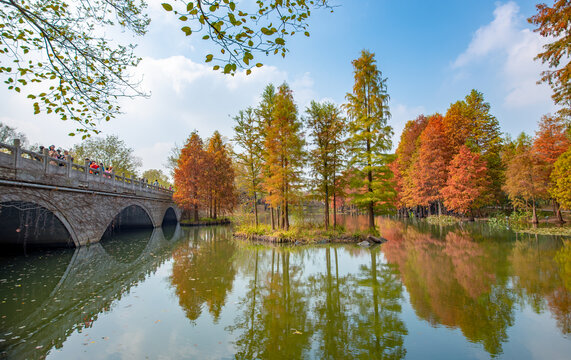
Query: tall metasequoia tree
x,y
284,153
469,122
467,180
524,178
326,128
370,136
265,118
248,136
220,176
434,157
554,23
189,176
401,166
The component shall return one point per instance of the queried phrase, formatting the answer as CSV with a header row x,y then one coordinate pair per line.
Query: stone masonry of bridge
x,y
86,202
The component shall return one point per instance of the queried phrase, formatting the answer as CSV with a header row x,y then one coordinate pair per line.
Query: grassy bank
x,y
306,233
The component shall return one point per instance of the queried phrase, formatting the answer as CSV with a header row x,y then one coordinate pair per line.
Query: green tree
x,y
247,135
111,151
240,30
561,180
370,137
327,128
60,45
158,175
84,73
284,153
8,134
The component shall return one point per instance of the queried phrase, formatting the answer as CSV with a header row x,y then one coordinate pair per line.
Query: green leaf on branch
x,y
167,7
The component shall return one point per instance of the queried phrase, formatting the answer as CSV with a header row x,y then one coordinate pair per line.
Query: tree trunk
x,y
215,208
559,215
196,212
439,208
256,208
278,217
272,216
534,216
286,216
326,207
334,209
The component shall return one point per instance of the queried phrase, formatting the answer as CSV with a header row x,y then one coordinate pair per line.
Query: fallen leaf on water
x,y
157,321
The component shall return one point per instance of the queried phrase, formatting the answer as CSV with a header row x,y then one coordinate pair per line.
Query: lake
x,y
466,291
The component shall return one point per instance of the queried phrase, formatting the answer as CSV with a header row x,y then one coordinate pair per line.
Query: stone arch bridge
x,y
51,202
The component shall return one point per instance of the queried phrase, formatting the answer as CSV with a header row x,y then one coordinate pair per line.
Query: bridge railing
x,y
34,161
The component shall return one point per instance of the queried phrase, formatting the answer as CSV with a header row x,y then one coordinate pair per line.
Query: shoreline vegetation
x,y
305,234
206,221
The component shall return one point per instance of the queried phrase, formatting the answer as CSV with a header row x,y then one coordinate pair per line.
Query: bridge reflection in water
x,y
46,297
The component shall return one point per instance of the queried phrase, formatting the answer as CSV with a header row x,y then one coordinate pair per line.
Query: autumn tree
x,y
554,23
189,176
549,143
561,180
284,153
265,118
111,151
466,182
403,165
431,170
469,122
370,136
219,177
326,128
524,178
248,136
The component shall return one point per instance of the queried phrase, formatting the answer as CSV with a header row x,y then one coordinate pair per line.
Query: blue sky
x,y
433,54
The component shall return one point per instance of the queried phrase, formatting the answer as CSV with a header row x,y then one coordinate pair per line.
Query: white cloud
x,y
184,96
508,48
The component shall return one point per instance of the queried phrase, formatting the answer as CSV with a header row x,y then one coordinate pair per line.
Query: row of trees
x,y
204,177
273,155
460,160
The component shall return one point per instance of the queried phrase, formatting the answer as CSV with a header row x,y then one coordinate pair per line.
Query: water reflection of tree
x,y
203,271
273,320
542,269
457,282
376,330
331,295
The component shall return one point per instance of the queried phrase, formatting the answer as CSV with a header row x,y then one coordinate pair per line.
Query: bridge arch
x,y
132,216
170,216
41,208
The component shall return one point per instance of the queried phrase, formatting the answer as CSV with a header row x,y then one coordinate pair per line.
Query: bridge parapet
x,y
18,164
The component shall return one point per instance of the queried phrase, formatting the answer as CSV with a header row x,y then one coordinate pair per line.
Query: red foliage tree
x,y
432,165
467,182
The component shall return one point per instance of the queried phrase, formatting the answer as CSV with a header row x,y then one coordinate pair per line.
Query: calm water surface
x,y
431,292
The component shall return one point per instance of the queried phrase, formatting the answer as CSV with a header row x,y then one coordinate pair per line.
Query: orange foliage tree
x,y
523,176
432,165
466,183
401,166
549,143
204,178
221,194
189,177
